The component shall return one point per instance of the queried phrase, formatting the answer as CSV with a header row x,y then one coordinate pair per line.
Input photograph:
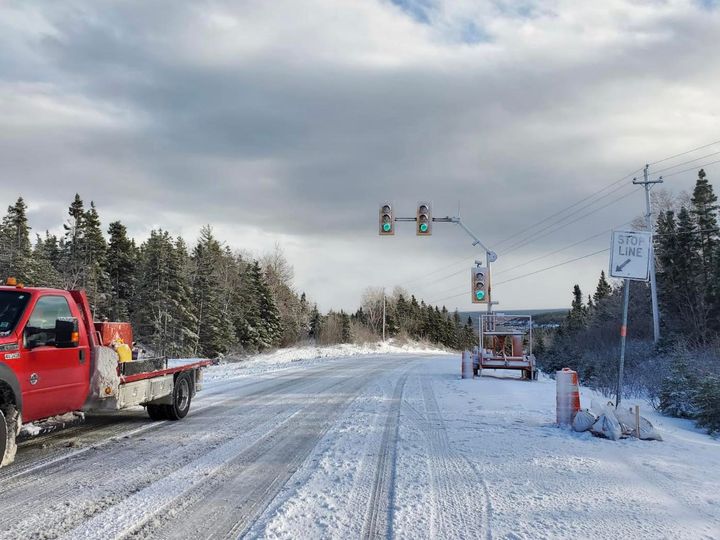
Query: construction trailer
x,y
506,342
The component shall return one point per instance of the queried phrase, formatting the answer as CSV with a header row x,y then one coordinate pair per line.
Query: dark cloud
x,y
256,119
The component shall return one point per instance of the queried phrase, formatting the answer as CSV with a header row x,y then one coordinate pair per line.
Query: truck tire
x,y
8,432
157,412
181,397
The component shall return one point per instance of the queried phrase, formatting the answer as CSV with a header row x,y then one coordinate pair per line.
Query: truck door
x,y
57,377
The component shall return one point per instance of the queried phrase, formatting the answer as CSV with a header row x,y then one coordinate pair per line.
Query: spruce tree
x,y
163,316
315,321
577,317
603,290
346,334
693,311
94,256
120,266
73,263
214,328
15,249
44,251
704,212
270,329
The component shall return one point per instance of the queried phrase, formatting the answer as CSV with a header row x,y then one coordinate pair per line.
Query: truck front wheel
x,y
8,432
181,397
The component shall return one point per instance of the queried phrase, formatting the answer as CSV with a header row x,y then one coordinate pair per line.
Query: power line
x,y
609,186
529,273
425,276
559,212
686,162
535,233
466,291
683,153
697,167
534,238
553,266
504,240
562,249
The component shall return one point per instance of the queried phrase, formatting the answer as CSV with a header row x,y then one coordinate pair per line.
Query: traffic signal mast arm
x,y
491,255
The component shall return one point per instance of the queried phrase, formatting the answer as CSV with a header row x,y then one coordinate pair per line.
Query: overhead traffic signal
x,y
480,285
387,220
424,219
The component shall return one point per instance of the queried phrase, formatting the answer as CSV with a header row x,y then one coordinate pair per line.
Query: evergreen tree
x,y
163,317
215,330
73,263
577,317
693,311
346,334
15,250
44,252
603,289
704,212
94,256
120,266
270,329
315,322
707,403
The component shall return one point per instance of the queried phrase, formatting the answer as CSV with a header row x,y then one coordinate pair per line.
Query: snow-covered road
x,y
369,446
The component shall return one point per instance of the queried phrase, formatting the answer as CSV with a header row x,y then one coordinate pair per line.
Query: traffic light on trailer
x,y
480,285
387,220
424,219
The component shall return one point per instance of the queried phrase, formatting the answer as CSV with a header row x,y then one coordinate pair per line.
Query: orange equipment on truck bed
x,y
110,332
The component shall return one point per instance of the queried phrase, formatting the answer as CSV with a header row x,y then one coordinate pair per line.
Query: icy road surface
x,y
362,447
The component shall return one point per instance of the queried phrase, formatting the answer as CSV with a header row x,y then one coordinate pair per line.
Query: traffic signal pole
x,y
490,255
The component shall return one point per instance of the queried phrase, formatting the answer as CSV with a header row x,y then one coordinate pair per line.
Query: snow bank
x,y
306,355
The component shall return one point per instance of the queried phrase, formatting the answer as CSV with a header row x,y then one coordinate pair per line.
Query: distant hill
x,y
540,316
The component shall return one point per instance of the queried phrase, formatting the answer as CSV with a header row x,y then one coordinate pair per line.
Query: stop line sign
x,y
630,253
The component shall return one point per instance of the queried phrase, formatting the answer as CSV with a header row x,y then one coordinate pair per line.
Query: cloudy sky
x,y
290,121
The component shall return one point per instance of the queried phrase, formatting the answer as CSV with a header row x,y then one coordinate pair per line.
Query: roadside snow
x,y
483,459
306,356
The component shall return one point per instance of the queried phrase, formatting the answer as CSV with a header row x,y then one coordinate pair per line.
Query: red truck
x,y
53,362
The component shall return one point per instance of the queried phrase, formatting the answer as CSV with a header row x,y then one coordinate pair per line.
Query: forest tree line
x,y
204,300
681,375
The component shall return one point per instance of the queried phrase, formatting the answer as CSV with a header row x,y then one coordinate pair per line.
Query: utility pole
x,y
646,183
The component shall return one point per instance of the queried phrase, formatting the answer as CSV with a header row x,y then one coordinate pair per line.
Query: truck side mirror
x,y
66,332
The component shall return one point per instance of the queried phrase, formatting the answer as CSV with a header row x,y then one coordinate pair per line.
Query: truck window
x,y
40,329
12,306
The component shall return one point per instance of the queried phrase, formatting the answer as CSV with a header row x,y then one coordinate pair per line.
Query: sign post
x,y
630,253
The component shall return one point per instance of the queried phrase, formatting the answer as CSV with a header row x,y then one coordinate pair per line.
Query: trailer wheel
x,y
181,397
8,432
157,412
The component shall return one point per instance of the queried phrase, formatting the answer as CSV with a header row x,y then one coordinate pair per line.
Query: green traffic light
x,y
480,295
423,227
386,227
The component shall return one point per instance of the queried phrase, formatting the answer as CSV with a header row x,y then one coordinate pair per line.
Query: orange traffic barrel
x,y
568,396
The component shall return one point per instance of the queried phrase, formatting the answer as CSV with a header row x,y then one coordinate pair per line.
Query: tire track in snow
x,y
345,458
211,478
117,429
112,484
454,480
378,521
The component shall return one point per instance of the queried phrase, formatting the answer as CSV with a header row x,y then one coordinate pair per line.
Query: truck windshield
x,y
12,305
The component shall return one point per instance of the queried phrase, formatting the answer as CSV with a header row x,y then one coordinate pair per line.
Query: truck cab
x,y
44,352
54,361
